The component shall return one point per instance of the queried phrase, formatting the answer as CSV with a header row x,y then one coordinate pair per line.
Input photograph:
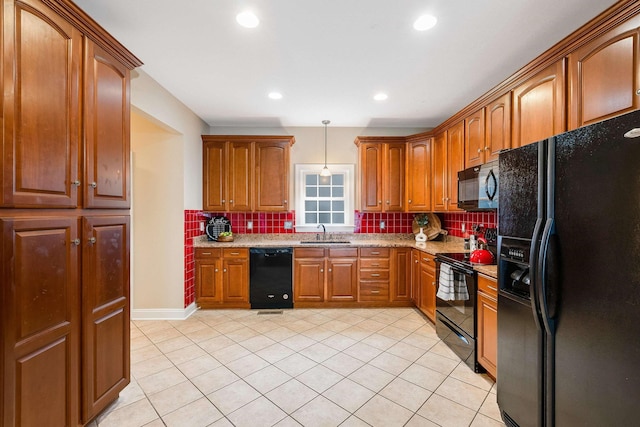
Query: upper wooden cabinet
x,y
448,160
497,127
439,173
382,163
246,173
604,76
47,161
474,139
418,174
539,106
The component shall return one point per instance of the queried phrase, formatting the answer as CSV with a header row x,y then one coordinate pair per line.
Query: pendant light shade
x,y
325,170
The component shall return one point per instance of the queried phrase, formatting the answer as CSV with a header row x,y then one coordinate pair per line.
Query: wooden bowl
x,y
225,238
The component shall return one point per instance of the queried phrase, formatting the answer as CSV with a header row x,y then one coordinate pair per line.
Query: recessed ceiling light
x,y
425,22
380,96
275,95
247,19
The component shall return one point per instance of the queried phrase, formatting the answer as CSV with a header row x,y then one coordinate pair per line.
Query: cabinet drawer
x,y
343,252
207,253
428,260
236,253
374,252
374,263
308,252
374,274
374,291
488,285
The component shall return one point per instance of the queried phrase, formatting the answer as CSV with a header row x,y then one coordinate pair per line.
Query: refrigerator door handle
x,y
546,292
533,252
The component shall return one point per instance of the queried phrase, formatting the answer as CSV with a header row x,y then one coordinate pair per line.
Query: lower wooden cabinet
x,y
400,285
222,277
65,317
325,275
488,323
374,274
428,285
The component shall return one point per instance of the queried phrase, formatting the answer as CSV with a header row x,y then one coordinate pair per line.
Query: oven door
x,y
461,311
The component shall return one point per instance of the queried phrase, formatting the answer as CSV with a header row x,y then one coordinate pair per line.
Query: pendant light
x,y
325,170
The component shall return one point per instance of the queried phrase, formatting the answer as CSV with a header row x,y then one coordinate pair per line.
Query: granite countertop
x,y
448,244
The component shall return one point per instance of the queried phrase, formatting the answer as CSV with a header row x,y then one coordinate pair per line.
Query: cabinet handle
x,y
92,240
375,275
375,265
375,292
76,242
375,253
76,183
492,288
206,253
426,259
93,185
235,253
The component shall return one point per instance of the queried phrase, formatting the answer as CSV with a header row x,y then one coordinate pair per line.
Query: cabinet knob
x,y
224,270
92,240
322,270
93,185
285,202
416,261
479,150
223,200
216,270
76,242
379,202
638,92
388,202
230,201
409,201
486,148
330,270
76,183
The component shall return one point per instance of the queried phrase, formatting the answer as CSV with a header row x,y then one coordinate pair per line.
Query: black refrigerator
x,y
569,278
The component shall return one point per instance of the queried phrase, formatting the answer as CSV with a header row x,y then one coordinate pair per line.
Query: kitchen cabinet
x,y
474,139
322,274
222,277
440,177
604,75
415,277
488,323
448,160
382,176
400,285
418,173
342,274
375,266
428,286
246,173
497,127
539,106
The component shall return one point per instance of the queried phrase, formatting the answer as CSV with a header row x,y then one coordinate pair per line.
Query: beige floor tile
x,y
319,378
291,395
242,334
159,336
161,380
185,354
257,343
267,379
135,415
371,377
174,344
155,423
228,326
131,393
230,353
350,317
348,394
442,349
343,364
406,351
247,365
418,421
336,325
393,332
280,334
188,325
484,421
200,413
407,324
406,394
295,364
423,377
354,421
145,353
356,333
371,325
151,326
258,413
318,352
198,366
275,353
446,413
297,342
150,366
318,319
261,326
172,398
379,341
318,333
464,373
287,422
420,341
203,334
214,380
222,422
233,396
362,351
390,363
380,411
320,412
339,342
216,343
140,342
300,325
438,363
490,407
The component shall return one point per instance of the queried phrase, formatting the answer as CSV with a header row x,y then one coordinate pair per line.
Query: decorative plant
x,y
421,219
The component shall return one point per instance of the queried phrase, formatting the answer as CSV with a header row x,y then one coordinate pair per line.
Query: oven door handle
x,y
458,334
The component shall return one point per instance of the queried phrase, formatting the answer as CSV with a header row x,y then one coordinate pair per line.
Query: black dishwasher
x,y
271,278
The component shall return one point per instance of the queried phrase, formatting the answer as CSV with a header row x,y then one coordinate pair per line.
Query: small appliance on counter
x,y
217,225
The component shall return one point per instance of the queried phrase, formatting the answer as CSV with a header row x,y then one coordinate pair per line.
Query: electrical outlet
x,y
288,225
249,225
201,226
382,225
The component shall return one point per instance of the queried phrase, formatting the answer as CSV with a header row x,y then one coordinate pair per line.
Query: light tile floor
x,y
310,367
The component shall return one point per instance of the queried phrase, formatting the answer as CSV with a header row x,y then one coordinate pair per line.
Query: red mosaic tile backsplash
x,y
452,221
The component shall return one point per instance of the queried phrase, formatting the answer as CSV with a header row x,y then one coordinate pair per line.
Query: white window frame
x,y
303,169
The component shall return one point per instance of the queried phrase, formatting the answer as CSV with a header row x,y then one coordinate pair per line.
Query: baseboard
x,y
163,313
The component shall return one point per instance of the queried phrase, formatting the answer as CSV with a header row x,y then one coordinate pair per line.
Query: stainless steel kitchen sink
x,y
324,242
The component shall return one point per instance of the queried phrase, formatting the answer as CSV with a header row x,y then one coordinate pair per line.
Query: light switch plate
x,y
288,225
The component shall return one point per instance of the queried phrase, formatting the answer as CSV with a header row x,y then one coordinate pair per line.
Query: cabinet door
x,y
272,176
440,177
214,169
41,108
107,148
309,280
497,127
342,280
428,292
240,177
487,332
418,182
40,313
371,177
235,282
393,173
208,278
455,163
400,274
474,144
538,106
105,311
415,277
603,76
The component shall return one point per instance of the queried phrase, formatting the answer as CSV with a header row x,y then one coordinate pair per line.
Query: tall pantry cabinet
x,y
64,215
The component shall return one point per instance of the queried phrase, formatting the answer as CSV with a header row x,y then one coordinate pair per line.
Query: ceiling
x,y
329,58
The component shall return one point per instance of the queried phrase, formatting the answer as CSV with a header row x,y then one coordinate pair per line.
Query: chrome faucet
x,y
324,231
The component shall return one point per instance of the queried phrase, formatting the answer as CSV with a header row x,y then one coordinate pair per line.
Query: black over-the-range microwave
x,y
478,188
